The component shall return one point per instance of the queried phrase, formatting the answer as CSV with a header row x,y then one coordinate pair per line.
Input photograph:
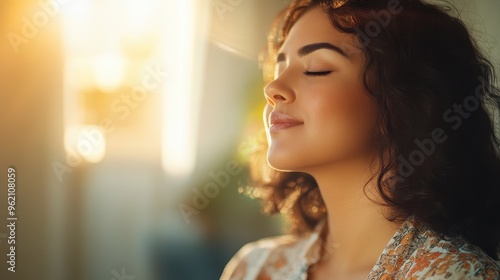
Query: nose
x,y
278,92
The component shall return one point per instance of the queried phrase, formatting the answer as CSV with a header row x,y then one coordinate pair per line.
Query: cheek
x,y
344,118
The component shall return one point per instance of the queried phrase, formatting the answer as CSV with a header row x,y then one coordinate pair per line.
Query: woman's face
x,y
318,111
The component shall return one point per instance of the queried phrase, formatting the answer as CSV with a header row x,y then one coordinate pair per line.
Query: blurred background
x,y
129,123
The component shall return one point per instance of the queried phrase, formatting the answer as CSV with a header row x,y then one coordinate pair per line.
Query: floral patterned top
x,y
414,252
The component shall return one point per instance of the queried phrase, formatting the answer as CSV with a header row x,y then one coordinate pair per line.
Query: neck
x,y
358,230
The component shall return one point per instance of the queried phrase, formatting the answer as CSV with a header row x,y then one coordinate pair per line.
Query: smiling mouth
x,y
282,126
279,121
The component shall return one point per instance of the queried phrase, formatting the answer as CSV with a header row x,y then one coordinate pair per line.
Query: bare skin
x,y
329,135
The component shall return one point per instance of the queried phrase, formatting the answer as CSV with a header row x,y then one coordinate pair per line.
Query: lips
x,y
279,121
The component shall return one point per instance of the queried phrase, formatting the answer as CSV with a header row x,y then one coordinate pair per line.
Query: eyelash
x,y
316,74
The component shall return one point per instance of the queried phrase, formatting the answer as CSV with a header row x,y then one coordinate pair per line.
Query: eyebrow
x,y
307,49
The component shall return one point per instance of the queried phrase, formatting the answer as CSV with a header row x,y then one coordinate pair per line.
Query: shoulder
x,y
442,257
254,258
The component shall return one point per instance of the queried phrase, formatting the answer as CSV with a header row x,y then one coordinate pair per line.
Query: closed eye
x,y
321,73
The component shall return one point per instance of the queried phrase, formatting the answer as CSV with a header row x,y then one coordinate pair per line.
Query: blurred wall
x,y
30,138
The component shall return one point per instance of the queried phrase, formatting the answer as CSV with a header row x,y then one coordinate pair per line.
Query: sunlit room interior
x,y
129,124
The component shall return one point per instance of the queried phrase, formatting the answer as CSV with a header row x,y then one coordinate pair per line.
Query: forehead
x,y
315,26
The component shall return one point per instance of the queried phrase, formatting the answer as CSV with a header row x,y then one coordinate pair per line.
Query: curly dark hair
x,y
438,103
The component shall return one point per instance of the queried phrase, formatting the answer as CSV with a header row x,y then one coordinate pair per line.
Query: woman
x,y
381,138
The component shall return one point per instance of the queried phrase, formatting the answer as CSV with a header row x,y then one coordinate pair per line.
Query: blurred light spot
x,y
139,16
109,70
88,141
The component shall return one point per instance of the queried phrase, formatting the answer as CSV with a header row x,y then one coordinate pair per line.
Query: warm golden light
x,y
104,48
89,142
180,121
139,16
109,70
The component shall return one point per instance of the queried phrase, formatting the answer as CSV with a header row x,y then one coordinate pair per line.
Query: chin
x,y
283,161
280,167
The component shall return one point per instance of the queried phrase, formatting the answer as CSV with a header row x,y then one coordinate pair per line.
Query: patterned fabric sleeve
x,y
249,261
471,264
441,257
238,265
